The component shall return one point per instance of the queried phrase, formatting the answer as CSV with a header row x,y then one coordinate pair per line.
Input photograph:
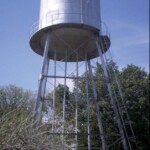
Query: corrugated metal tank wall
x,y
53,12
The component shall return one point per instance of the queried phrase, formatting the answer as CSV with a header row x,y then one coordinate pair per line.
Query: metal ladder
x,y
104,46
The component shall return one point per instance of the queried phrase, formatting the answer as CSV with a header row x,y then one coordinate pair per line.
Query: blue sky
x,y
127,21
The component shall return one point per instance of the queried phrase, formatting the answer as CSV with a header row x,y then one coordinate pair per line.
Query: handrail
x,y
34,28
106,31
49,20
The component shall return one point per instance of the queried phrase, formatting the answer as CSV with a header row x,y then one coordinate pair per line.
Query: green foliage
x,y
16,122
17,132
135,86
59,99
16,107
135,83
12,96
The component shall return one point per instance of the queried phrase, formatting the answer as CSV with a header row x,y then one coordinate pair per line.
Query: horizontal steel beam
x,y
68,77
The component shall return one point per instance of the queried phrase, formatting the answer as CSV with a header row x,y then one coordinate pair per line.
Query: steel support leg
x,y
64,106
54,95
76,111
42,84
117,115
88,107
102,133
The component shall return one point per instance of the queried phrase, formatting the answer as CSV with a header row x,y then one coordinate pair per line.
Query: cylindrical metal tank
x,y
74,27
54,12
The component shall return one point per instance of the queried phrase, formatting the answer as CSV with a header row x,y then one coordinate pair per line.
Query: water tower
x,y
69,31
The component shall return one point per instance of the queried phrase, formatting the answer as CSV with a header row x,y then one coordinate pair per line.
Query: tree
x,y
16,122
59,98
16,112
12,96
135,86
135,83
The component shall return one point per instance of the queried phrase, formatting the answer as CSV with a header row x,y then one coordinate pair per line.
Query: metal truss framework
x,y
61,130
